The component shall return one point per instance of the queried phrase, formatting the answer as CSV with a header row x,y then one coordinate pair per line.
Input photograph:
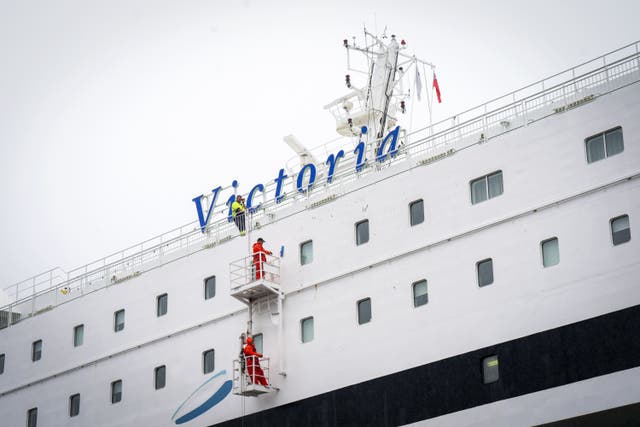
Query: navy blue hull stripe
x,y
560,356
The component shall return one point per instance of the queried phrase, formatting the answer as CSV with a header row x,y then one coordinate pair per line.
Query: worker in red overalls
x,y
259,257
256,375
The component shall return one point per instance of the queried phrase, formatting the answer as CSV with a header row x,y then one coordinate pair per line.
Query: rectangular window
x,y
485,272
550,252
364,311
208,361
486,187
78,335
210,287
118,320
306,329
306,252
362,232
116,391
32,417
1,364
605,144
620,230
420,295
161,305
160,377
490,369
36,350
74,405
416,212
258,342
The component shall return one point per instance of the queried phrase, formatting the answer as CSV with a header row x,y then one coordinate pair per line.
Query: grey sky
x,y
114,114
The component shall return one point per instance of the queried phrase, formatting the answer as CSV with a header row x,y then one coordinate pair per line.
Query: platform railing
x,y
244,271
246,374
555,94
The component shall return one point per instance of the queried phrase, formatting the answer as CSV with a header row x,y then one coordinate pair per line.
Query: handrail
x,y
415,146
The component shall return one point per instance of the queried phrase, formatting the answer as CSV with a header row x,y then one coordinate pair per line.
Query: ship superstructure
x,y
481,270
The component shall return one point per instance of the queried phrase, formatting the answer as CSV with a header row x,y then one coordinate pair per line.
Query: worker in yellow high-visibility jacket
x,y
237,210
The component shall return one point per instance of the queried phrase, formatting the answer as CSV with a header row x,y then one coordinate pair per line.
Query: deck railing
x,y
553,95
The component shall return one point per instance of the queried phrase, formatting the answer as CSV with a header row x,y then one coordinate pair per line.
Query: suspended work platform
x,y
252,279
247,378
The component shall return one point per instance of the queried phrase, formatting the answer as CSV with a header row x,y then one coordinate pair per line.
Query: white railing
x,y
243,271
246,372
556,94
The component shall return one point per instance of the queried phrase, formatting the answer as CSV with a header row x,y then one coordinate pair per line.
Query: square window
x,y
306,329
32,417
420,295
486,187
306,252
118,320
605,144
362,232
74,405
258,342
485,272
208,361
550,252
364,311
490,369
416,212
36,350
161,305
160,377
78,335
620,230
1,364
210,287
116,391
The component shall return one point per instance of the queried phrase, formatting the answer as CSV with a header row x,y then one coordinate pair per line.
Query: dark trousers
x,y
239,220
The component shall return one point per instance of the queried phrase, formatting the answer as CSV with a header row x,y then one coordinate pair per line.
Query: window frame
x,y
115,320
313,331
156,377
78,342
411,204
116,398
486,363
542,243
3,357
33,350
485,178
611,221
206,281
413,292
302,244
204,361
604,144
358,311
357,225
33,411
71,400
483,261
159,306
259,348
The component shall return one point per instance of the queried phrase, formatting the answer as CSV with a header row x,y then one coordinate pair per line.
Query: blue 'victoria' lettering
x,y
312,177
333,159
258,187
331,162
197,201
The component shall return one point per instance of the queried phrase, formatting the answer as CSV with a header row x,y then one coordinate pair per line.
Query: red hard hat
x,y
249,340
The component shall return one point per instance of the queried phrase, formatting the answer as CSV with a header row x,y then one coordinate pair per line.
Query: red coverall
x,y
258,258
256,375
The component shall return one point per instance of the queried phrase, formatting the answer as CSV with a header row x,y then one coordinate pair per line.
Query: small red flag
x,y
437,88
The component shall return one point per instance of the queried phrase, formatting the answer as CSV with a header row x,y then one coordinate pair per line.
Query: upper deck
x,y
554,95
